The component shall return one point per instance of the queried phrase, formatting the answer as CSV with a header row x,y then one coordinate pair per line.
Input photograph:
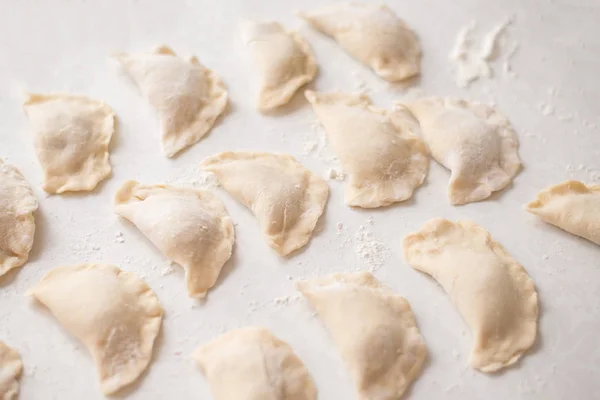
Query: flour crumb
x,y
335,174
194,176
372,252
168,270
546,109
286,300
119,238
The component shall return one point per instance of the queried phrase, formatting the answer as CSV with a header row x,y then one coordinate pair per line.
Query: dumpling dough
x,y
10,371
252,364
379,149
571,206
187,96
374,330
283,59
190,227
112,312
17,224
472,140
286,198
491,290
72,134
372,34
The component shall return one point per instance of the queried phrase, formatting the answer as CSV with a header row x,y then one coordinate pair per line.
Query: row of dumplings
x,y
118,317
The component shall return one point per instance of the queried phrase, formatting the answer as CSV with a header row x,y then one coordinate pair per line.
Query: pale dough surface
x,y
111,311
284,61
71,136
572,206
380,150
492,291
17,223
189,226
252,364
374,330
286,198
10,371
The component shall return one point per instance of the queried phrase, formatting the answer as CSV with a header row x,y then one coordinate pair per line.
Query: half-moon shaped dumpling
x,y
286,198
380,150
284,62
491,290
187,96
10,371
111,311
72,134
374,330
571,206
190,227
372,34
252,364
17,224
475,142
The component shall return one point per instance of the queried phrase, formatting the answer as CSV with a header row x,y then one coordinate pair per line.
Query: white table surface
x,y
62,46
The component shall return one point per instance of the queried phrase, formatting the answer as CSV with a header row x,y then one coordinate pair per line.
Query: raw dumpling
x,y
491,290
380,150
187,96
17,224
286,198
571,206
374,330
472,140
10,371
372,34
112,312
252,364
190,227
72,134
283,60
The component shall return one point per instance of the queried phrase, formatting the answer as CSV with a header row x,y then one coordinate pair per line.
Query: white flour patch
x,y
335,174
372,252
194,176
546,109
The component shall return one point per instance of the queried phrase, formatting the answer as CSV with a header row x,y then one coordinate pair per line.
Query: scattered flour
x,y
546,109
372,252
194,176
335,174
119,237
286,300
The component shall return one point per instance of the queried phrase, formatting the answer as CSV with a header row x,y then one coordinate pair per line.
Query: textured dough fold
x,y
475,142
252,364
72,134
492,291
11,368
286,198
17,223
190,227
111,311
374,330
571,206
284,61
372,34
187,96
380,150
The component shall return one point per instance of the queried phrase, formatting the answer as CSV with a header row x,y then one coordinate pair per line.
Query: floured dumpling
x,y
372,34
10,371
111,311
374,330
475,142
491,290
380,150
284,61
252,364
571,206
187,96
286,198
190,227
72,134
17,224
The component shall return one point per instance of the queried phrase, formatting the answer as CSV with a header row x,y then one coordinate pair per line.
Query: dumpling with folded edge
x,y
491,290
285,197
284,61
379,149
374,330
111,311
187,96
474,141
571,206
372,34
11,368
189,226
